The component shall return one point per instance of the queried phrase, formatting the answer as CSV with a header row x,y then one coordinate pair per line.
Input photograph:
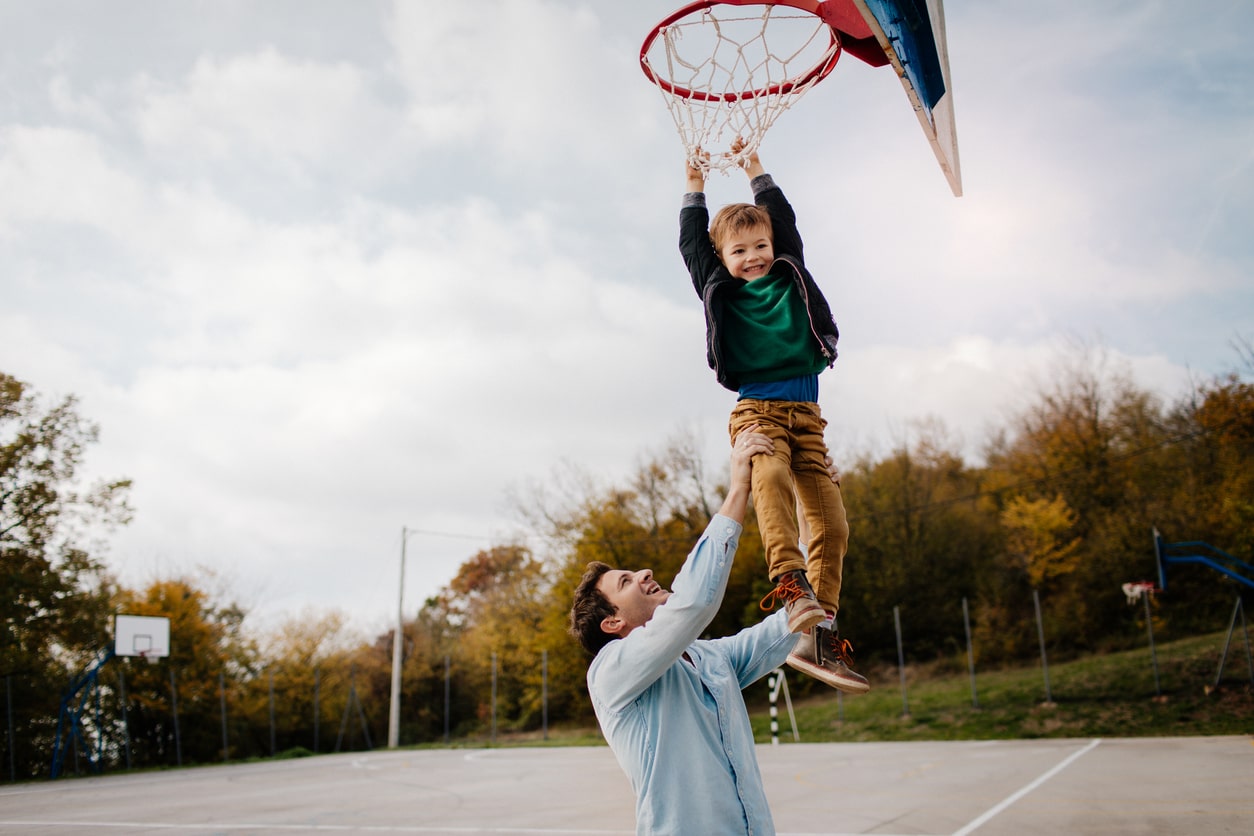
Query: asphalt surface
x,y
1194,785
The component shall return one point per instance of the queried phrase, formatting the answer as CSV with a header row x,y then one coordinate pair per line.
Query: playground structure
x,y
1203,554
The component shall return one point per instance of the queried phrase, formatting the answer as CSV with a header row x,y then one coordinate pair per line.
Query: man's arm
x,y
627,666
748,444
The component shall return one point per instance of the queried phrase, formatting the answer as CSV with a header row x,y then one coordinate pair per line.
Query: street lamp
x,y
394,708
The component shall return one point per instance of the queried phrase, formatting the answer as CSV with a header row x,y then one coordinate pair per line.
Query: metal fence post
x,y
317,706
966,623
446,700
272,747
8,692
1149,628
126,720
901,663
1040,633
544,691
493,699
226,746
174,710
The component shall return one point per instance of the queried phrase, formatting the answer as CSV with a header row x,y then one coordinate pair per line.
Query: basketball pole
x,y
394,707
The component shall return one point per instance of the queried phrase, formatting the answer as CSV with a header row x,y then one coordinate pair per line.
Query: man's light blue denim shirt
x,y
679,726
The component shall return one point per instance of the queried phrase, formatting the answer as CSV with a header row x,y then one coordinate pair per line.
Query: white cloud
x,y
284,110
526,82
58,175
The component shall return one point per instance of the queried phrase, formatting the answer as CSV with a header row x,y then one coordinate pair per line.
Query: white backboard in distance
x,y
141,635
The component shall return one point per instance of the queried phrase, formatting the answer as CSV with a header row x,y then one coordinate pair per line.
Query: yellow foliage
x,y
1038,536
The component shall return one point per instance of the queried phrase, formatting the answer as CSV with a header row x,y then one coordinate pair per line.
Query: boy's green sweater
x,y
767,334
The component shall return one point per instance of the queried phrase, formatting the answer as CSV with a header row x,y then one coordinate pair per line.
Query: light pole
x,y
394,708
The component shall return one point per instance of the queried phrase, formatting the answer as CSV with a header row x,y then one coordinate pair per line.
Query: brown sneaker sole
x,y
848,684
803,618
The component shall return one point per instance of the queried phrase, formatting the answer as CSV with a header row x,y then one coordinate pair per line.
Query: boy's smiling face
x,y
748,253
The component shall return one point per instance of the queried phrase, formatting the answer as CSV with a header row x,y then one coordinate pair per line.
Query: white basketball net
x,y
721,78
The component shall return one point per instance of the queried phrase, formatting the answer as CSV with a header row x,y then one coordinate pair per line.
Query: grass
x,y
1111,695
1107,695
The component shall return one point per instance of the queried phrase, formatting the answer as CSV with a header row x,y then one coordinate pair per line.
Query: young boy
x,y
769,333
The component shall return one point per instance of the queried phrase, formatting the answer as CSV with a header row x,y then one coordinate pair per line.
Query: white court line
x,y
1006,802
219,827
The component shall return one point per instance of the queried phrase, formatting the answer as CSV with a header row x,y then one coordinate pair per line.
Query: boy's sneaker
x,y
825,656
804,610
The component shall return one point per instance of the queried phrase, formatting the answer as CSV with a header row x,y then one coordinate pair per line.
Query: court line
x,y
218,827
1011,799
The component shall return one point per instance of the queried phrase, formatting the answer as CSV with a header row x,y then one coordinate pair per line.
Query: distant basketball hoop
x,y
1135,589
145,636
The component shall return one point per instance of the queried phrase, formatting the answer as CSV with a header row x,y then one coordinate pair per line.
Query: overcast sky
x,y
322,270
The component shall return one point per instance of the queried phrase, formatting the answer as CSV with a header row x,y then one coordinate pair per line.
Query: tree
x,y
496,602
207,648
919,539
1038,538
305,663
54,591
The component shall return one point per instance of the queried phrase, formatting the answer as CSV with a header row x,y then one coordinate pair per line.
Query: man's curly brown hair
x,y
590,608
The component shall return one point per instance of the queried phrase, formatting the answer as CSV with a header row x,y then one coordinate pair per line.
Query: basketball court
x,y
1195,785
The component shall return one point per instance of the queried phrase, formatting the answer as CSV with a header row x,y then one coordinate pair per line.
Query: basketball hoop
x,y
1135,589
149,656
722,79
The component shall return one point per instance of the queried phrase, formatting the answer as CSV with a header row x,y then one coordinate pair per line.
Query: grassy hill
x,y
1108,695
1111,695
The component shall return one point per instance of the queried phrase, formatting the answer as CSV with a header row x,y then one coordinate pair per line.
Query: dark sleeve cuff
x,y
761,183
693,199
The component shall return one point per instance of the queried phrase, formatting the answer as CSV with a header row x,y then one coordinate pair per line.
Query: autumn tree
x,y
495,605
54,592
302,678
208,648
920,537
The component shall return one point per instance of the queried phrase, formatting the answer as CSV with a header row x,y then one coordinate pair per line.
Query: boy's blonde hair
x,y
737,217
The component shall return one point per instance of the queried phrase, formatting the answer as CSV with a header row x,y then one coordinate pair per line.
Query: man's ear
x,y
611,624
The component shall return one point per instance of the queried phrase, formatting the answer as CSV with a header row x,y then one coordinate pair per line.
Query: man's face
x,y
748,254
635,595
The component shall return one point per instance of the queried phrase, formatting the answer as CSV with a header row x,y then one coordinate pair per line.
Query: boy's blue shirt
x,y
804,389
671,708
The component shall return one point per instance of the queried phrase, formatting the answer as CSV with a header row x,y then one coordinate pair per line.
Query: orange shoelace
x,y
840,649
788,589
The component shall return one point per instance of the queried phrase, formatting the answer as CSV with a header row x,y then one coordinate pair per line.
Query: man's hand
x,y
748,444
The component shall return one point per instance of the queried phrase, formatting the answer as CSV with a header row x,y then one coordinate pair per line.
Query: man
x,y
671,705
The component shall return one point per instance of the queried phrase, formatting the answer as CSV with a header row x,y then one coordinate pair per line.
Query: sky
x,y
326,271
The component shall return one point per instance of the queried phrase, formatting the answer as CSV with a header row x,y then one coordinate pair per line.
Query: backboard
x,y
141,635
911,34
